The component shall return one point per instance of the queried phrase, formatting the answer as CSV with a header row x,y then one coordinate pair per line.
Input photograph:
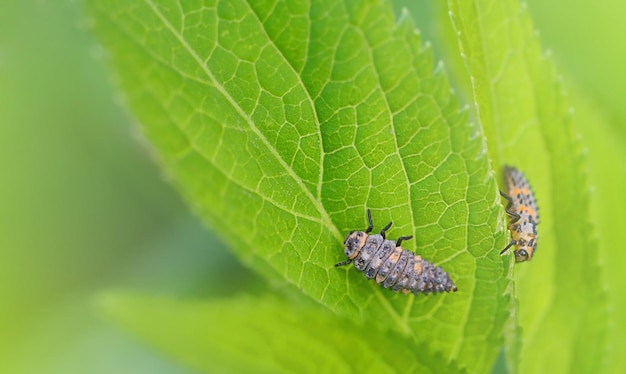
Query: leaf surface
x,y
282,122
526,118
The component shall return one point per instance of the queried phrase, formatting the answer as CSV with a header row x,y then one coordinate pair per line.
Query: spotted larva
x,y
390,264
523,214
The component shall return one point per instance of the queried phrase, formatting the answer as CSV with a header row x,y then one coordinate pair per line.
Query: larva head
x,y
521,255
354,243
525,247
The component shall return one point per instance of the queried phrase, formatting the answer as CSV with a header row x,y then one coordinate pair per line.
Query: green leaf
x,y
525,116
593,58
607,171
264,334
282,122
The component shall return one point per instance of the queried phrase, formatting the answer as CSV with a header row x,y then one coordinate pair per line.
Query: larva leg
x,y
402,238
508,198
382,232
342,263
508,246
370,222
515,216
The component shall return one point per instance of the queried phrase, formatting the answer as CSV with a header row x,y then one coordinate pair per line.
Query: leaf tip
x,y
405,22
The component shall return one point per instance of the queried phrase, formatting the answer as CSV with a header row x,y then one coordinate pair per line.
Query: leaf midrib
x,y
309,99
325,219
400,320
542,314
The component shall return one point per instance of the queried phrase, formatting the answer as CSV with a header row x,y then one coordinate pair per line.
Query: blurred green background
x,y
85,209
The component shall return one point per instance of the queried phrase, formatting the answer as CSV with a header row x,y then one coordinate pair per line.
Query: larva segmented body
x,y
523,214
390,264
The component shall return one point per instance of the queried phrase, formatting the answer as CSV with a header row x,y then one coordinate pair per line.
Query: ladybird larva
x,y
390,264
523,214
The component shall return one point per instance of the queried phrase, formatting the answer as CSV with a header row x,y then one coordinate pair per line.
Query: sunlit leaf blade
x,y
263,334
282,121
528,125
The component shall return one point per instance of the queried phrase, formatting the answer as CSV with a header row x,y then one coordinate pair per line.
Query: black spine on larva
x,y
398,269
430,279
389,264
379,258
407,274
372,244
